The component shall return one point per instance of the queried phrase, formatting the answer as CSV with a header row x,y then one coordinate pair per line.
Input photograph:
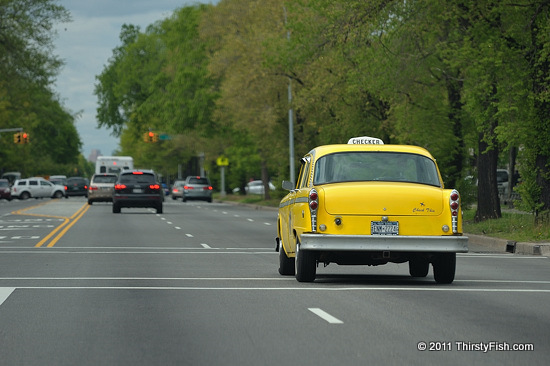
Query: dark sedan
x,y
138,188
76,186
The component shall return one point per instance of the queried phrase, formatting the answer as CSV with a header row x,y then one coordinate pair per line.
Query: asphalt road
x,y
198,285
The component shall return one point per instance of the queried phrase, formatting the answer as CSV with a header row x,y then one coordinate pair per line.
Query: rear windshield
x,y
137,178
105,179
375,166
198,181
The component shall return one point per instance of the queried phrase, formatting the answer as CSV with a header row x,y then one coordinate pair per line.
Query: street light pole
x,y
290,117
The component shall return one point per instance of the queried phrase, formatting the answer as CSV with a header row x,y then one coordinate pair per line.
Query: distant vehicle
x,y
177,189
257,187
101,187
11,176
197,188
76,186
36,187
114,164
5,190
58,179
137,188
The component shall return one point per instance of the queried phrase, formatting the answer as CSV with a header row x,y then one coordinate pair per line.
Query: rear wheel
x,y
25,196
444,267
116,208
58,194
419,267
306,265
159,208
286,264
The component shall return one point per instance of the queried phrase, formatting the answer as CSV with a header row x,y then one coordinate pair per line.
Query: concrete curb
x,y
510,246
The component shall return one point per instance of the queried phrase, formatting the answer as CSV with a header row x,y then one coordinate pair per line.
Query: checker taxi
x,y
367,203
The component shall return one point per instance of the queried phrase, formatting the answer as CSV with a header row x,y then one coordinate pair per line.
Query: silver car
x,y
177,189
197,188
101,187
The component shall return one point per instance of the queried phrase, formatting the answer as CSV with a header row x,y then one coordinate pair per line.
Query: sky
x,y
86,44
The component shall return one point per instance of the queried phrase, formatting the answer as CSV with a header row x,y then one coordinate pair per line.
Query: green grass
x,y
517,226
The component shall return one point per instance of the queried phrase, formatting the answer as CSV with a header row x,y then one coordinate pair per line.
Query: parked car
x,y
36,187
257,187
366,203
5,190
177,189
102,186
137,188
58,179
76,186
197,188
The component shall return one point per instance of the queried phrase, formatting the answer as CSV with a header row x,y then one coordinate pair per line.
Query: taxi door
x,y
295,213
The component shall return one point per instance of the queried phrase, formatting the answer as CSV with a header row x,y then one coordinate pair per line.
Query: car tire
x,y
174,198
159,209
419,267
24,196
286,264
306,265
183,199
444,267
90,202
116,208
58,194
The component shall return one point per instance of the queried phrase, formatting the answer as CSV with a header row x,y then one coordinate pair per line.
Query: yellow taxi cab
x,y
367,203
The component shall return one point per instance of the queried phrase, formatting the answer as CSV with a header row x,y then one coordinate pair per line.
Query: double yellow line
x,y
68,222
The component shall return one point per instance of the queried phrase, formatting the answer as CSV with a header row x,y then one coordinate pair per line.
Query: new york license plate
x,y
384,227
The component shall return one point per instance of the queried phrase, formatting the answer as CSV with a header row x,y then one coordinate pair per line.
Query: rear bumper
x,y
368,243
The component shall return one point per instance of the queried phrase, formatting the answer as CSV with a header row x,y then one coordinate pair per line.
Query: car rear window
x,y
137,178
376,166
105,179
198,181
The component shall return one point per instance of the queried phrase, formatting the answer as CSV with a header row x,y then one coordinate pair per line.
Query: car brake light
x,y
120,186
209,188
154,186
93,188
313,201
187,187
137,173
455,206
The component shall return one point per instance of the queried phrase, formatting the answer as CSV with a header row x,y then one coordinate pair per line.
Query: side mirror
x,y
288,185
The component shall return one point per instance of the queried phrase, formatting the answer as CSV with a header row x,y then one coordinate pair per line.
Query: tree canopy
x,y
27,70
468,80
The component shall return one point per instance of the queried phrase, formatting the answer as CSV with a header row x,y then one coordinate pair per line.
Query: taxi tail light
x,y
454,202
313,202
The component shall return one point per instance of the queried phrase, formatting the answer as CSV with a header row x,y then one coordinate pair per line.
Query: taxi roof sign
x,y
365,140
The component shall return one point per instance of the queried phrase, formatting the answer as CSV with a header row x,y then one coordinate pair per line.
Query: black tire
x,y
174,198
116,208
58,194
90,202
286,264
444,267
306,265
159,209
183,199
25,196
419,267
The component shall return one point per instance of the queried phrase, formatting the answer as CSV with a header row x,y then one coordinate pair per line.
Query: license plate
x,y
137,190
384,227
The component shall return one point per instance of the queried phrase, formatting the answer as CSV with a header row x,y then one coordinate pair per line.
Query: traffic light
x,y
150,137
21,138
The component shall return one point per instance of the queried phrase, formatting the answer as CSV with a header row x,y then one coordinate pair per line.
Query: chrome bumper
x,y
394,243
